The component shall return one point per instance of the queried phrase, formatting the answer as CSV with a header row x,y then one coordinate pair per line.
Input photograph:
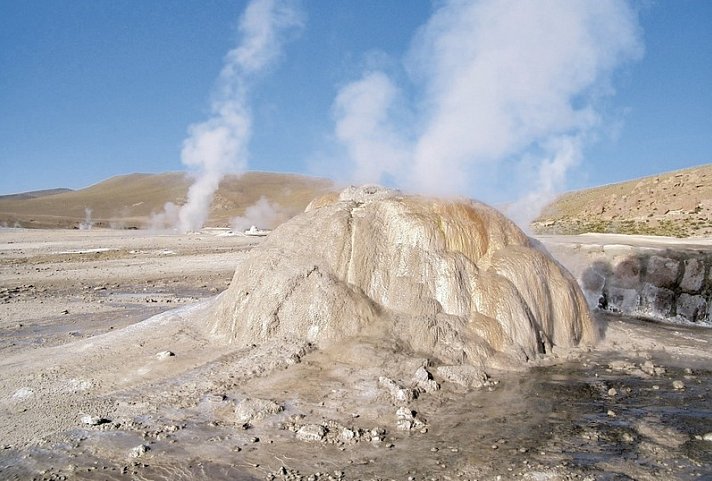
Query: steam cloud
x,y
502,86
87,223
263,214
219,145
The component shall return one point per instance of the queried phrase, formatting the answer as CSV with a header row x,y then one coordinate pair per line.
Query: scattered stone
x,y
407,421
253,409
93,420
22,393
707,437
612,392
649,368
215,398
399,394
348,435
139,451
311,433
424,380
377,434
611,413
678,385
164,355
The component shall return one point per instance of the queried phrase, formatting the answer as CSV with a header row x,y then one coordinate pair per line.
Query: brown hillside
x,y
675,204
128,201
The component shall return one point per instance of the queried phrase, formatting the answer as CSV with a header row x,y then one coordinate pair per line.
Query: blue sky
x,y
90,89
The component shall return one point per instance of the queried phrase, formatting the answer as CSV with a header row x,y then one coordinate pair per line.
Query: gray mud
x,y
638,407
600,417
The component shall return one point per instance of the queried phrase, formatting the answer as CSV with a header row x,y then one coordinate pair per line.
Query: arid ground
x,y
89,391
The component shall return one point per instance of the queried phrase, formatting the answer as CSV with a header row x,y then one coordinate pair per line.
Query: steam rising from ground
x,y
87,223
263,214
219,144
503,86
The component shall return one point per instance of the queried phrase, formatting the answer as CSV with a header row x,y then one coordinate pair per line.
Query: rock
x,y
694,275
692,308
707,437
311,433
649,368
347,435
662,271
164,355
407,421
139,451
400,395
424,380
22,393
678,385
93,420
612,392
465,376
253,409
377,434
626,272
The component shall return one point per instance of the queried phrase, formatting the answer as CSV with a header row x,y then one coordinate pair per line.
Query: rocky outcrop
x,y
453,279
658,282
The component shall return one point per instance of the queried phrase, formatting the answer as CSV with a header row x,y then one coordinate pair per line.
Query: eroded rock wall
x,y
665,283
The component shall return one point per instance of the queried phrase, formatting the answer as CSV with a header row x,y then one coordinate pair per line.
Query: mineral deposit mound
x,y
455,280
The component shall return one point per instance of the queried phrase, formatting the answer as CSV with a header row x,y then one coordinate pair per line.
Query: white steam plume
x,y
87,223
501,82
363,125
263,214
166,219
219,145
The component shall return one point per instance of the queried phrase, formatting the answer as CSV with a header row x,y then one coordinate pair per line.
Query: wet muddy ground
x,y
610,414
579,420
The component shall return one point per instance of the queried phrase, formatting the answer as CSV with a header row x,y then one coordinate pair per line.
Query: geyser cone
x,y
454,280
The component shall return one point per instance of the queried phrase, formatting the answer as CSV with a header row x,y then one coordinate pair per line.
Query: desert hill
x,y
33,194
675,204
129,201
